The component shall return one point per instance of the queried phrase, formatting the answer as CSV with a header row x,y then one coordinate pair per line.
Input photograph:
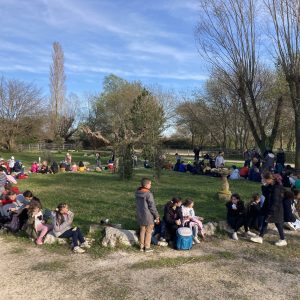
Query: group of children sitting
x,y
276,205
24,211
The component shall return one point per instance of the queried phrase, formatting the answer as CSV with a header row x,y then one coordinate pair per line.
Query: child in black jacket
x,y
236,216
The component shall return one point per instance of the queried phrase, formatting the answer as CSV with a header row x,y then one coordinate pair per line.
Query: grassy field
x,y
93,196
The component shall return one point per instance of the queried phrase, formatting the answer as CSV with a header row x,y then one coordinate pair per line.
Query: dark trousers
x,y
279,227
23,217
237,222
172,229
75,235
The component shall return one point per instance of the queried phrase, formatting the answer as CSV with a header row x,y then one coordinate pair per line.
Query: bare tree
x,y
286,36
57,85
20,108
228,38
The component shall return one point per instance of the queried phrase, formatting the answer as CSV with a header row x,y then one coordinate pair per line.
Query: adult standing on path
x,y
272,209
146,213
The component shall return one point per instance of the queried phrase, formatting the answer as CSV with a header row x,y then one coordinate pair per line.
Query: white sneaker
x,y
162,244
78,250
250,234
162,239
290,226
235,236
257,239
281,243
85,245
196,240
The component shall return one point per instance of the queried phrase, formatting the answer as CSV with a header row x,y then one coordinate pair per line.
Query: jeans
x,y
158,229
279,227
75,235
145,235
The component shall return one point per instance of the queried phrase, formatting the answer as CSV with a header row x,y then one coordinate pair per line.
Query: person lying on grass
x,y
62,228
236,216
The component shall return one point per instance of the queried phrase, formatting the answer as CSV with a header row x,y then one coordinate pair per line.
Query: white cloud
x,y
146,73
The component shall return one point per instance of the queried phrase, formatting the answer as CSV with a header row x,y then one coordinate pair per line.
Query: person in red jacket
x,y
244,171
7,202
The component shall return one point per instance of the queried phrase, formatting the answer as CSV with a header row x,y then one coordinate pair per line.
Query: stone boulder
x,y
51,239
223,226
122,236
210,228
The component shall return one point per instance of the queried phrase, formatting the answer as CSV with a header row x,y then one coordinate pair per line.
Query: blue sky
x,y
152,41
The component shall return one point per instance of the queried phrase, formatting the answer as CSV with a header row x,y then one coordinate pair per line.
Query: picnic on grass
x,y
179,226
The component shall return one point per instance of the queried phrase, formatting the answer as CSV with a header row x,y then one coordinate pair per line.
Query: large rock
x,y
122,236
209,228
223,226
51,239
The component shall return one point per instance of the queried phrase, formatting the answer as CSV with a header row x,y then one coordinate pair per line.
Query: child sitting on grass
x,y
236,216
36,219
254,212
62,228
191,220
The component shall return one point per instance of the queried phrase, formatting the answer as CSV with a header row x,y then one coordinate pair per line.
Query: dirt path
x,y
217,269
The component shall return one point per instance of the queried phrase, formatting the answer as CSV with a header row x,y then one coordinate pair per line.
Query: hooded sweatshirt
x,y
145,207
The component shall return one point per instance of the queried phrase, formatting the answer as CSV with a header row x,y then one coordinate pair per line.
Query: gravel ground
x,y
218,268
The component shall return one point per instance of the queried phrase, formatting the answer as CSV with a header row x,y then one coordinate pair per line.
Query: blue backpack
x,y
184,239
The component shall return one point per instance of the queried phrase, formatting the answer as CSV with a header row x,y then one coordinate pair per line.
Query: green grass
x,y
92,196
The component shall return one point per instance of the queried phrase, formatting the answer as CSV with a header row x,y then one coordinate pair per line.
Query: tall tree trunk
x,y
297,135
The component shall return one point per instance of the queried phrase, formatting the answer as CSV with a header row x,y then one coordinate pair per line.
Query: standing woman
x,y
272,209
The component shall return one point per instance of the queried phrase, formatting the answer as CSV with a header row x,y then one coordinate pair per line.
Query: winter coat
x,y
273,205
232,214
280,158
235,174
171,215
269,161
145,207
59,229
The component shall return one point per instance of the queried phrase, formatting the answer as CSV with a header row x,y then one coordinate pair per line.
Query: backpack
x,y
184,238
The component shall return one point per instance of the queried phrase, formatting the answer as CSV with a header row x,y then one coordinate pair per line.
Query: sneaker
x,y
162,244
39,242
290,226
196,240
250,234
85,245
235,236
257,239
281,243
142,249
162,239
148,250
78,250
